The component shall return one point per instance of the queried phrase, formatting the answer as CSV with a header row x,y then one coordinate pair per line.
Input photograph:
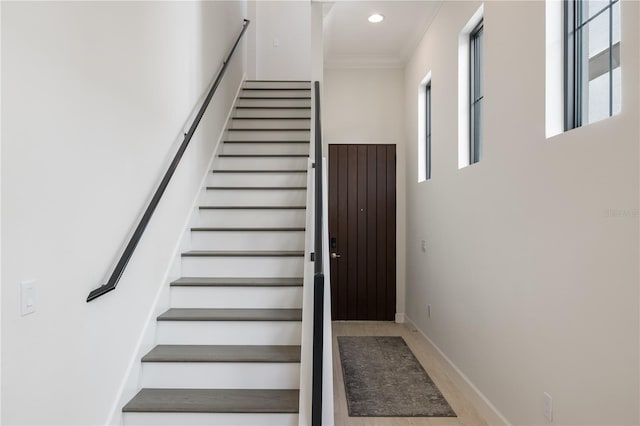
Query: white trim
x,y
306,345
422,127
463,87
554,63
463,377
0,218
327,345
400,318
132,377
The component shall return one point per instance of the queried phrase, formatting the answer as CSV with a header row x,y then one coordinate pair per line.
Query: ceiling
x,y
352,41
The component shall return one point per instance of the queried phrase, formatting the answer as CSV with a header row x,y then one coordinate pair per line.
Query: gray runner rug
x,y
383,378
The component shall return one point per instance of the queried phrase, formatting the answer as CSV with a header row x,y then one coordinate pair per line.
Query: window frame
x,y
427,130
573,39
476,95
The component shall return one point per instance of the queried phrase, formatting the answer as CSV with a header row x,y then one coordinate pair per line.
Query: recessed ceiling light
x,y
375,18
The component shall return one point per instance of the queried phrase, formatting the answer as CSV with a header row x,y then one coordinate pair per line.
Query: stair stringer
x,y
306,365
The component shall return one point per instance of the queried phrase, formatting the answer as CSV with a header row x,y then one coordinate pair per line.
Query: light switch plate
x,y
548,407
27,297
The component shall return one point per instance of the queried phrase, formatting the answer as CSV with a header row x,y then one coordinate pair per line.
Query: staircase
x,y
228,350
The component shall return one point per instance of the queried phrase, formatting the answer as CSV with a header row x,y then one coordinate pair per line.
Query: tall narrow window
x,y
476,92
428,131
592,61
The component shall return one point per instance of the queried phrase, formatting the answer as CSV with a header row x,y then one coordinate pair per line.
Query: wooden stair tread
x,y
252,207
273,107
207,314
257,188
214,401
271,118
223,353
283,129
259,171
277,81
262,155
237,282
288,98
265,142
218,229
244,253
273,101
278,88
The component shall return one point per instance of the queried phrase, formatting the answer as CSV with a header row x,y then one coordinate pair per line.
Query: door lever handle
x,y
335,255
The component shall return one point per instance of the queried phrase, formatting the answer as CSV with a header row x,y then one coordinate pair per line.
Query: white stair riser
x,y
276,85
274,103
282,123
257,179
242,375
208,419
247,240
220,375
249,267
261,163
229,332
254,197
275,112
273,148
257,218
237,297
269,135
256,93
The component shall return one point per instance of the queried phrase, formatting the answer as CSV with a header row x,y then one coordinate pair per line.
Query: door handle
x,y
335,255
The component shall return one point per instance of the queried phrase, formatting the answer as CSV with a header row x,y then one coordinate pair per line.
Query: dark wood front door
x,y
362,231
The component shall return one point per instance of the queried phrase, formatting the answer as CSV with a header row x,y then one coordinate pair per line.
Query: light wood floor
x,y
430,360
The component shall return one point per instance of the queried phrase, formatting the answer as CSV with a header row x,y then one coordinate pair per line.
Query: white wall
x,y
287,24
95,96
317,41
366,106
251,34
532,254
0,215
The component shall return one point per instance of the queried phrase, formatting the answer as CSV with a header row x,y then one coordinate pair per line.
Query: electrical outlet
x,y
423,245
548,407
429,311
27,297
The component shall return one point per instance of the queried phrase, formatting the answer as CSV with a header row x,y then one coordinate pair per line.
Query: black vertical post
x,y
318,335
318,278
318,185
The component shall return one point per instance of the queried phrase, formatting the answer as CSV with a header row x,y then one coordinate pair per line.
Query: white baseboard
x,y
491,414
400,318
161,302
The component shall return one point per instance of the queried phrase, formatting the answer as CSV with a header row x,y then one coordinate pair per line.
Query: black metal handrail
x,y
318,277
118,270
